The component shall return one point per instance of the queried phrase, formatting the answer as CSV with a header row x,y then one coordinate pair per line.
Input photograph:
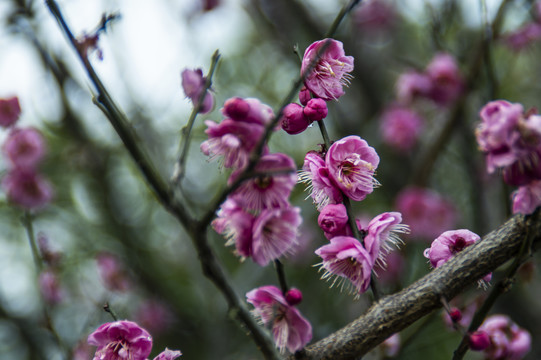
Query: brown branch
x,y
396,312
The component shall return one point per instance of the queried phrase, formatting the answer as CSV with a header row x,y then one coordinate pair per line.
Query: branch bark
x,y
396,312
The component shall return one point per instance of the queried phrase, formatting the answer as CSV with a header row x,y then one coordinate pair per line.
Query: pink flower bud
x,y
304,96
236,108
293,296
455,315
10,110
479,341
316,109
293,121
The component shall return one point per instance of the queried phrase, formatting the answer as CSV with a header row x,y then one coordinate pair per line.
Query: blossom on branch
x,y
527,198
289,328
346,259
352,164
320,185
507,340
331,70
121,340
382,235
193,84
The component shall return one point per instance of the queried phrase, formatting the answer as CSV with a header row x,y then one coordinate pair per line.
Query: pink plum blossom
x,y
27,189
401,128
412,84
267,191
112,272
289,328
351,164
49,287
25,148
507,340
275,233
193,84
346,259
447,83
331,71
249,110
426,212
10,110
236,225
333,220
293,120
375,16
168,355
121,340
322,188
316,109
448,244
382,234
527,198
511,140
523,37
154,315
234,140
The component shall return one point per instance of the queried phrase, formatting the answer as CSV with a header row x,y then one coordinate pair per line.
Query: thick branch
x,y
396,312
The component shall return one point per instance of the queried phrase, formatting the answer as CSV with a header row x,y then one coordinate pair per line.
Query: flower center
x,y
459,245
263,182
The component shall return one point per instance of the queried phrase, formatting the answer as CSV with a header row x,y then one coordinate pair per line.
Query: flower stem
x,y
281,276
180,166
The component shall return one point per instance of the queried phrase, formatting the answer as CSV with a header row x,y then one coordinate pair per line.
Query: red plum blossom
x,y
316,109
352,163
331,70
333,220
289,328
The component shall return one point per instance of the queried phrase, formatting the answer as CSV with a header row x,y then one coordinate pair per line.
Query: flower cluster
x,y
289,328
511,141
441,82
125,340
25,149
193,84
507,339
326,69
257,217
346,258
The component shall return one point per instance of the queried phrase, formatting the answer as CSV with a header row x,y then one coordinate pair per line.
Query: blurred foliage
x,y
103,205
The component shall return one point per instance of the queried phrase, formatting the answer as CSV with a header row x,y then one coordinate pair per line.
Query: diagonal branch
x,y
396,312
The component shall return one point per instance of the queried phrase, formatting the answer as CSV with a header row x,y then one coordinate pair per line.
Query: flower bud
x,y
236,108
479,340
455,315
293,296
293,120
316,109
10,110
304,96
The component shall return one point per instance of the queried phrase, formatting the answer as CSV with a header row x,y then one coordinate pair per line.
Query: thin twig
x,y
180,166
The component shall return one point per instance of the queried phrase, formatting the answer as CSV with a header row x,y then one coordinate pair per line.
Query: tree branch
x,y
396,312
